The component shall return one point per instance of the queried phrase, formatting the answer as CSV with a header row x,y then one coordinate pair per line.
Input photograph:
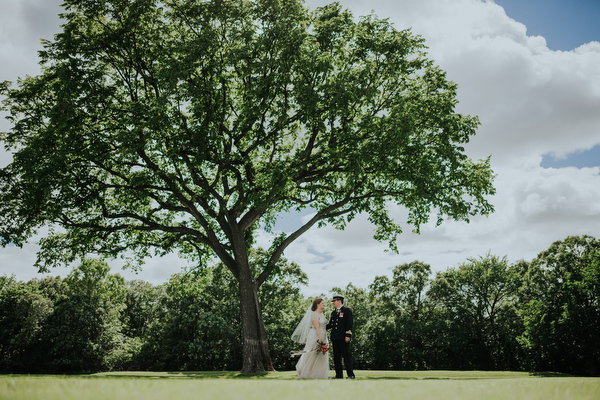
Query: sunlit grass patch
x,y
369,385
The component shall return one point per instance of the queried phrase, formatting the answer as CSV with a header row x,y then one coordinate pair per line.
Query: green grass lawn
x,y
369,385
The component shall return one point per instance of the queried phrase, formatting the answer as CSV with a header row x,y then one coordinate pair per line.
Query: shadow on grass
x,y
549,374
186,375
361,375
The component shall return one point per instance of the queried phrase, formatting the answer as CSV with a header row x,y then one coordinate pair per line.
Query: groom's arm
x,y
349,325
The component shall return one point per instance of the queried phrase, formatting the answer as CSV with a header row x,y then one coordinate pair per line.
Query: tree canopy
x,y
561,306
159,126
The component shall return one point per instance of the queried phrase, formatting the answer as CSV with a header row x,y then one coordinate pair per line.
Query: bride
x,y
314,361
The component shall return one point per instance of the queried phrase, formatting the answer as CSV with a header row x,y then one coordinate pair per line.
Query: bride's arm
x,y
315,322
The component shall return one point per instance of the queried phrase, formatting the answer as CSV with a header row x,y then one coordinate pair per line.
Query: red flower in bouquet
x,y
322,347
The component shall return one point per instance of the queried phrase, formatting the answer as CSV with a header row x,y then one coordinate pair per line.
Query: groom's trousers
x,y
341,349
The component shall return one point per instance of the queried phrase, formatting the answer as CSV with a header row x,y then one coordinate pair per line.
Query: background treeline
x,y
486,314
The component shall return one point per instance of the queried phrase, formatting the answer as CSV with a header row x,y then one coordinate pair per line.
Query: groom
x,y
340,324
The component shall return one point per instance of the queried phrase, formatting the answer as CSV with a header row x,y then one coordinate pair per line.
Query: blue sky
x,y
577,159
565,24
529,69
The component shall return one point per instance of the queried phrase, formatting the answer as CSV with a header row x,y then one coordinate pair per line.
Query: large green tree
x,y
561,307
85,330
400,327
185,125
477,301
23,311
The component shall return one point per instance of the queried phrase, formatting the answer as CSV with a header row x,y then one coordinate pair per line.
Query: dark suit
x,y
340,324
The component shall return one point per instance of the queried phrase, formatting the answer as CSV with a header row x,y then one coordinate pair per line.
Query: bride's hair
x,y
316,303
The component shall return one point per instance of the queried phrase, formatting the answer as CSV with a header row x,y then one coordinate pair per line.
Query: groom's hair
x,y
315,304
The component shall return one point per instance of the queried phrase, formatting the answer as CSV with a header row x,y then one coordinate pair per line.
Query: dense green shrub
x,y
485,314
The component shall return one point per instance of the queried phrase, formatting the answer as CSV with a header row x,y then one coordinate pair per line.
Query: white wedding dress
x,y
314,364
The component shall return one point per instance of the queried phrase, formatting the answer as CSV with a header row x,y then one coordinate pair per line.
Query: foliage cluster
x,y
486,314
93,320
542,315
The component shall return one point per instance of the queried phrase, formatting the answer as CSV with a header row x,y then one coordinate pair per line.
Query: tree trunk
x,y
593,365
256,348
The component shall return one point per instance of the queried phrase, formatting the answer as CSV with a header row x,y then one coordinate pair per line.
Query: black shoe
x,y
351,377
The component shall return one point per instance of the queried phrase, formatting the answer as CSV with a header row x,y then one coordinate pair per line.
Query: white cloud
x,y
531,101
23,24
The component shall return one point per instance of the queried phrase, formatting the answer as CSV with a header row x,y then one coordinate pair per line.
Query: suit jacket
x,y
340,324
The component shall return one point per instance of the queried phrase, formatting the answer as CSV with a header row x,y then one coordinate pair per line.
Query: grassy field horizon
x,y
469,385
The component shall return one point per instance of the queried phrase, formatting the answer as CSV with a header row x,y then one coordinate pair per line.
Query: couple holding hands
x,y
312,331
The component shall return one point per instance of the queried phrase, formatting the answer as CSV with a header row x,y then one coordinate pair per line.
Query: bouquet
x,y
322,347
